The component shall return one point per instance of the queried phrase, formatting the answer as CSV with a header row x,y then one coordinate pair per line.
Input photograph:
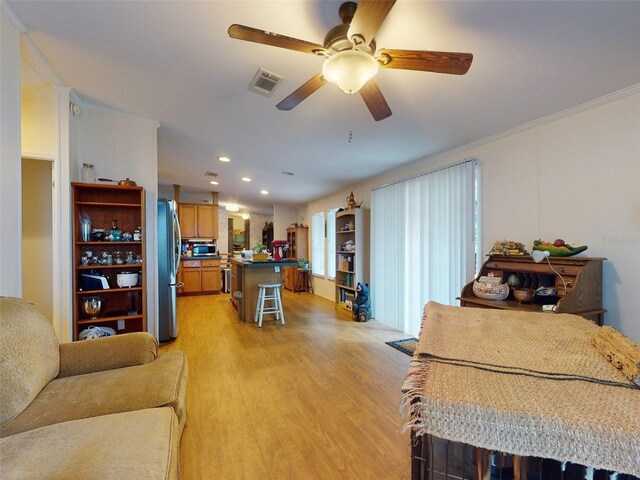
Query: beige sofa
x,y
98,409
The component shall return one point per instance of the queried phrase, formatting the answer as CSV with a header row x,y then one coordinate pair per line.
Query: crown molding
x,y
120,112
596,102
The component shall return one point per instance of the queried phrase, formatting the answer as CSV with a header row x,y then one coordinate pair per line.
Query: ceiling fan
x,y
351,57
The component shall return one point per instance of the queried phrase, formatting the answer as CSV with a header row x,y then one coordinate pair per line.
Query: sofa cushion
x,y
155,384
141,445
29,356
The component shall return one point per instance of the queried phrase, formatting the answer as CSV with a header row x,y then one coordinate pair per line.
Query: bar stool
x,y
274,297
304,280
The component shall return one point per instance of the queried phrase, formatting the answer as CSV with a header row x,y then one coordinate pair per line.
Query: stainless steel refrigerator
x,y
169,246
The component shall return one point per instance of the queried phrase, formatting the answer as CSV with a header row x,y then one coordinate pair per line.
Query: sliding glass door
x,y
423,241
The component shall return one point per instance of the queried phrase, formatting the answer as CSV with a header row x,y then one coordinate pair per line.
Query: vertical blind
x,y
317,243
422,243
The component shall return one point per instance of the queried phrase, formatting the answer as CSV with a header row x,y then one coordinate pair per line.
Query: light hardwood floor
x,y
317,398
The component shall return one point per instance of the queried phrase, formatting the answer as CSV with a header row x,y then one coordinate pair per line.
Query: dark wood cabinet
x,y
583,277
267,234
123,309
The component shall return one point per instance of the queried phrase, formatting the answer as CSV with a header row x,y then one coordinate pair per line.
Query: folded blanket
x,y
529,384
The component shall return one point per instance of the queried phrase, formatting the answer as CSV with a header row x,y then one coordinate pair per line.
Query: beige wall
x,y
39,131
37,250
125,146
572,176
10,161
256,225
283,216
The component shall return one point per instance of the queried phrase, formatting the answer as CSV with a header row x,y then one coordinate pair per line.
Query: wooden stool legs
x,y
274,297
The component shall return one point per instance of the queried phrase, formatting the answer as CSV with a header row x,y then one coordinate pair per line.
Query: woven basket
x,y
491,291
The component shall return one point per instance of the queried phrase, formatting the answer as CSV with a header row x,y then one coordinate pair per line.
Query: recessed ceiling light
x,y
246,179
287,173
264,192
224,159
213,182
232,208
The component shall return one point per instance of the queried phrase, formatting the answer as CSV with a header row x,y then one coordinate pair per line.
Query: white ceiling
x,y
173,61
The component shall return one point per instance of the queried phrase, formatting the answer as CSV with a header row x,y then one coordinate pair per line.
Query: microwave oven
x,y
204,250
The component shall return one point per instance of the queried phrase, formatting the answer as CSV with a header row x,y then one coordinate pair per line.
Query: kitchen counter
x,y
245,277
215,257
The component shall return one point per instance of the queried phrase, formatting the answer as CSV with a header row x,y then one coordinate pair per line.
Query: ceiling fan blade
x,y
373,98
369,16
302,92
425,61
240,32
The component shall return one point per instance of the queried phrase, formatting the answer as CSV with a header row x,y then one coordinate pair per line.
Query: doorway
x,y
37,236
238,231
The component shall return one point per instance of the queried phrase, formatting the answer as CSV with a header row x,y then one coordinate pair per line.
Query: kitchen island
x,y
245,277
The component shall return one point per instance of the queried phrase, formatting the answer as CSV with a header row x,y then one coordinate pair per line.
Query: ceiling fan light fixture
x,y
350,69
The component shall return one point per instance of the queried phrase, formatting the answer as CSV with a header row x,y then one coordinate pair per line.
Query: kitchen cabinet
x,y
291,280
298,238
190,279
211,279
352,253
583,277
123,309
187,218
198,221
200,276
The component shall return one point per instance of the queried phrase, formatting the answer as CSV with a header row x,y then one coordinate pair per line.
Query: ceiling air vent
x,y
211,174
265,82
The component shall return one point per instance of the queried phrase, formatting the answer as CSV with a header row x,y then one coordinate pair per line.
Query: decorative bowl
x,y
491,291
98,235
523,295
92,306
127,279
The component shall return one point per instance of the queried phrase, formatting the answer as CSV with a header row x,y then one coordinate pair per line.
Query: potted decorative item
x,y
260,253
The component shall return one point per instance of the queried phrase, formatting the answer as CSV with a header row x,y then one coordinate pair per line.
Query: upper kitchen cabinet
x,y
198,221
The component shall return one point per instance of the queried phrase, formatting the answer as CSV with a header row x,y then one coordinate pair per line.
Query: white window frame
x,y
331,244
318,236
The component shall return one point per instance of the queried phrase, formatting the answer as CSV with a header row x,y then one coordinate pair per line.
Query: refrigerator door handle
x,y
176,226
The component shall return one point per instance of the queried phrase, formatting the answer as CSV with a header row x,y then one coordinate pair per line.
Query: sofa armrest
x,y
107,353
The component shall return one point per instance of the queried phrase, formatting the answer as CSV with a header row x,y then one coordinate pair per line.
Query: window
x,y
331,243
430,224
317,243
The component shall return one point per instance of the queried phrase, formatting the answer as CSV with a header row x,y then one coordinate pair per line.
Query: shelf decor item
x,y
491,291
508,247
558,248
